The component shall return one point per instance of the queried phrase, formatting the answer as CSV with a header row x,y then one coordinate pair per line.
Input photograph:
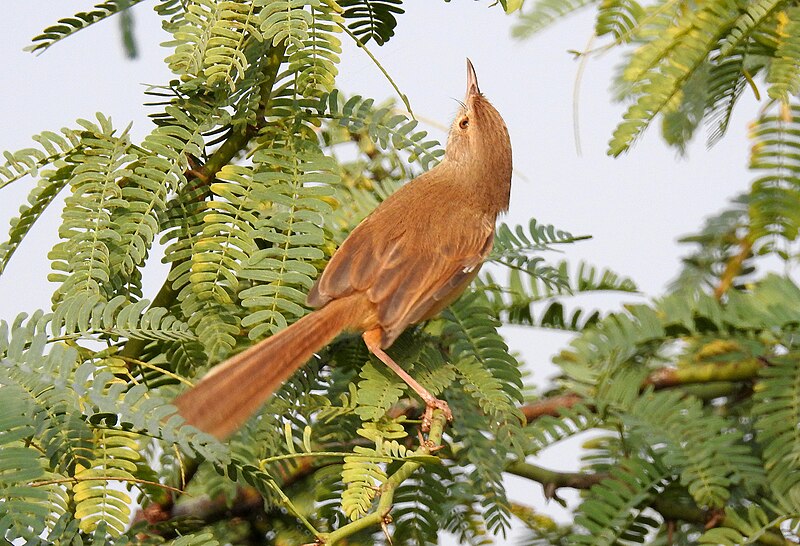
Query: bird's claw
x,y
430,406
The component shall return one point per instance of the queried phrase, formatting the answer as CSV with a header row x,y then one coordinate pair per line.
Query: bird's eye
x,y
464,123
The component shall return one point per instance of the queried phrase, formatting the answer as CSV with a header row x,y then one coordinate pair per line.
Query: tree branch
x,y
550,406
381,514
743,370
671,506
552,480
717,377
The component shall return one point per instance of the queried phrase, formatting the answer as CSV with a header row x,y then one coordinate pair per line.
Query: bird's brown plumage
x,y
403,264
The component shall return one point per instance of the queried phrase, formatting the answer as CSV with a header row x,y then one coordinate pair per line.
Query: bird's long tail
x,y
225,398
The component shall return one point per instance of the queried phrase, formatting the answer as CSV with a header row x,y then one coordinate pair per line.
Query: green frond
x,y
313,66
294,180
420,507
172,13
725,84
217,325
224,58
28,161
178,136
517,251
775,195
226,239
136,409
184,357
87,231
668,420
615,508
784,70
513,302
487,389
374,172
717,241
481,358
618,18
212,39
665,64
40,197
90,315
490,378
511,243
386,127
464,520
483,486
754,16
543,14
630,337
682,116
378,390
96,498
70,25
547,430
432,371
286,20
605,346
44,435
372,19
26,511
363,475
776,423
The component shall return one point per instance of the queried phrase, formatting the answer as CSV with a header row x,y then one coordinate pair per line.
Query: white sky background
x,y
635,207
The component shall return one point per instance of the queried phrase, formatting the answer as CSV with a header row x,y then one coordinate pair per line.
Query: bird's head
x,y
479,137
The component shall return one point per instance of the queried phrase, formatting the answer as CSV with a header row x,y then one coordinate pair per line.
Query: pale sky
x,y
635,207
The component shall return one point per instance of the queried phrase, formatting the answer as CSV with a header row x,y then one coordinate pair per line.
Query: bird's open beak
x,y
472,80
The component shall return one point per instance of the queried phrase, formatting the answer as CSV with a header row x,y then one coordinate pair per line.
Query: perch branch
x,y
380,516
714,375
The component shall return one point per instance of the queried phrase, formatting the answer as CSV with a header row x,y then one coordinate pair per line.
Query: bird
x,y
403,264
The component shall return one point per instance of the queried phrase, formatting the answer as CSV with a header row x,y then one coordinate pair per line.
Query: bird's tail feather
x,y
225,398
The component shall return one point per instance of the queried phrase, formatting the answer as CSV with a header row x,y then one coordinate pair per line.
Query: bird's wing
x,y
404,283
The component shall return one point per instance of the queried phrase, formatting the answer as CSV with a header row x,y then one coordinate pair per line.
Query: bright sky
x,y
635,207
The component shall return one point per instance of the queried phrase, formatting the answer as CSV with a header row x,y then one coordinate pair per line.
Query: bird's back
x,y
422,243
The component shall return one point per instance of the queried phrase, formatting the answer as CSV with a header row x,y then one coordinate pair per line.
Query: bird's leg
x,y
373,340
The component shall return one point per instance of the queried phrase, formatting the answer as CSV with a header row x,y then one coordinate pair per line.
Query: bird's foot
x,y
431,405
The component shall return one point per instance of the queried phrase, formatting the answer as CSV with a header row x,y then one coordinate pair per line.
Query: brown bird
x,y
403,264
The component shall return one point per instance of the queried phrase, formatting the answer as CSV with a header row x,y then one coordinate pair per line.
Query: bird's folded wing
x,y
402,278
